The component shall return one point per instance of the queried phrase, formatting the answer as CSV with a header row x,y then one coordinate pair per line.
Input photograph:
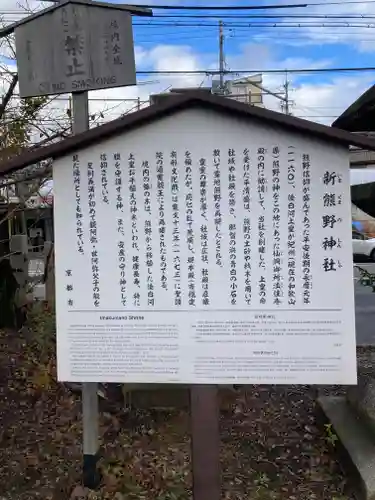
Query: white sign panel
x,y
75,48
202,249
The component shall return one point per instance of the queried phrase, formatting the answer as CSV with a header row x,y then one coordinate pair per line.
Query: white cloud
x,y
323,102
360,36
158,58
262,57
320,98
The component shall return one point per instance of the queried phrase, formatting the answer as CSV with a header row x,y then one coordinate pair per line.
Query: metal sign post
x,y
90,404
90,407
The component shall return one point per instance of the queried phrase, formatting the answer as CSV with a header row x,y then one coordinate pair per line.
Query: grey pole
x,y
221,56
90,408
286,86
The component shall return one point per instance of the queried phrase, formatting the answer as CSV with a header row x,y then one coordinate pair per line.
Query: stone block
x,y
362,396
355,437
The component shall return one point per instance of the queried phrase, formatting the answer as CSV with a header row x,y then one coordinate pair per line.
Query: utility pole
x,y
221,56
286,86
285,105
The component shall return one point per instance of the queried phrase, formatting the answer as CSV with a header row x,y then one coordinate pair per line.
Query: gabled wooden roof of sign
x,y
223,105
137,11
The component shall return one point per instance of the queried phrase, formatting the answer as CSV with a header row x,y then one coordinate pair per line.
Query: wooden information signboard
x,y
203,242
197,250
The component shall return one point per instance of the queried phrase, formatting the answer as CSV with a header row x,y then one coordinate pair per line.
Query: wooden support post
x,y
91,476
205,436
90,411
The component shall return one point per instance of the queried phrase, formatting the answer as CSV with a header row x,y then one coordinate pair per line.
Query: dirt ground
x,y
272,446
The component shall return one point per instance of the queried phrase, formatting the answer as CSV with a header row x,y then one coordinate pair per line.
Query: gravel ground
x,y
273,442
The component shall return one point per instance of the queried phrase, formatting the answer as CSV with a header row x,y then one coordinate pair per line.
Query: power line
x,y
235,30
264,16
239,16
324,36
252,7
224,7
281,38
284,25
115,99
242,7
316,116
264,24
269,25
243,71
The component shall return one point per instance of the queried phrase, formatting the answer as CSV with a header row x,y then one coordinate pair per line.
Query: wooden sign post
x,y
205,440
90,403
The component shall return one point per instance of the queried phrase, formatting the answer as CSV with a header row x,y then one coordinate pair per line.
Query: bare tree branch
x,y
42,173
5,100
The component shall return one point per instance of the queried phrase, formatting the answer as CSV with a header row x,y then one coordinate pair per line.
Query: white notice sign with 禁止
x,y
204,249
89,47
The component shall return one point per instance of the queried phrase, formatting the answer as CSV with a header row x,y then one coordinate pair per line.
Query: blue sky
x,y
323,95
320,96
